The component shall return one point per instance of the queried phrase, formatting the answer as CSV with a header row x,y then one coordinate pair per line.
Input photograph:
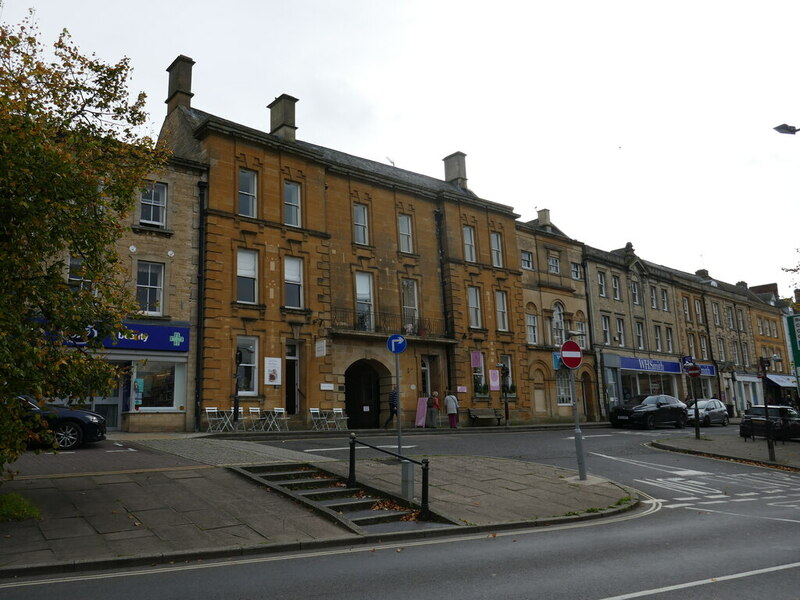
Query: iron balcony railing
x,y
347,319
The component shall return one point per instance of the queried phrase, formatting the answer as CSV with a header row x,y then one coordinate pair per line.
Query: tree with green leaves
x,y
72,160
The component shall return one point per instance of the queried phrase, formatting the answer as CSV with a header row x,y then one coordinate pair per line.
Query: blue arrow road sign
x,y
396,343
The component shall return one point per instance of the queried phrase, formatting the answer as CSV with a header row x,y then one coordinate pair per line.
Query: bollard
x,y
425,513
351,478
407,480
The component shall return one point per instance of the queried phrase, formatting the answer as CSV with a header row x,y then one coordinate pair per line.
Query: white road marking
x,y
348,448
572,437
654,466
699,582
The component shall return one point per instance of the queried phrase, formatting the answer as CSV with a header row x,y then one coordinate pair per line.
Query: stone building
x,y
312,257
555,309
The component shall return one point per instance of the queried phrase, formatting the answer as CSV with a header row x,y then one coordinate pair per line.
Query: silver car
x,y
710,411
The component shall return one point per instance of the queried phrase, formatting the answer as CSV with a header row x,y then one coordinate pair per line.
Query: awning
x,y
748,378
787,381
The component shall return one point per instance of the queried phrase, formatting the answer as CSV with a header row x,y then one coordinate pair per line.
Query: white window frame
x,y
760,325
156,306
409,300
292,204
406,233
703,348
293,279
559,325
640,335
365,302
657,330
635,292
615,287
526,260
686,312
740,319
563,388
670,340
653,297
606,325
474,306
246,271
580,327
247,198
620,331
601,284
153,200
735,351
715,312
250,343
360,224
746,354
575,271
470,252
690,340
501,308
532,328
664,300
496,240
721,348
698,311
554,265
505,359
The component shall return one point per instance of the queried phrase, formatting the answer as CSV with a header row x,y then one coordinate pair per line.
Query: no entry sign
x,y
571,354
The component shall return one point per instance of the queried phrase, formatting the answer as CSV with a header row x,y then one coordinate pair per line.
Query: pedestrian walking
x,y
432,418
451,406
393,396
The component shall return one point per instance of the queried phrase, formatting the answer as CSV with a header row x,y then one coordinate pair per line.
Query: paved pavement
x,y
183,505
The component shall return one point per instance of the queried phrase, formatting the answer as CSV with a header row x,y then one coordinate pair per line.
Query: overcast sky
x,y
638,121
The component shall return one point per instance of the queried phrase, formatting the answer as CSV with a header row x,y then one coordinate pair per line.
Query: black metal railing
x,y
425,511
347,319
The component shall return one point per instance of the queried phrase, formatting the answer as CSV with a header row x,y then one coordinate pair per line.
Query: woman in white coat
x,y
451,406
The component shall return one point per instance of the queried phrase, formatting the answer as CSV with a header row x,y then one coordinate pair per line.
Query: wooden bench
x,y
479,414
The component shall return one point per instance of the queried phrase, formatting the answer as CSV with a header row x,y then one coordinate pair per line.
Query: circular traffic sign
x,y
396,343
571,354
693,370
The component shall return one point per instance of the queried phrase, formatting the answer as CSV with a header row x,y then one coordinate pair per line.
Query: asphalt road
x,y
712,529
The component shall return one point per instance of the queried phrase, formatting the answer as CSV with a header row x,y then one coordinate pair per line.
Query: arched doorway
x,y
362,395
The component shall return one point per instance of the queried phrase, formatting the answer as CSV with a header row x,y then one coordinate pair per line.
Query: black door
x,y
362,396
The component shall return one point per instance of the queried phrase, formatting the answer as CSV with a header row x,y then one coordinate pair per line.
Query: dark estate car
x,y
710,411
649,411
71,427
785,422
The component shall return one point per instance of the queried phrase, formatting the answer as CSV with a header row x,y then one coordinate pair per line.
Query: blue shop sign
x,y
141,336
708,370
648,364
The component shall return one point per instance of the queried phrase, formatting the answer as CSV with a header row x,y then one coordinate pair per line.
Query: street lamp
x,y
764,364
504,373
784,128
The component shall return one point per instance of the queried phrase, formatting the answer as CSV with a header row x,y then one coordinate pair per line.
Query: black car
x,y
710,411
70,427
649,411
785,422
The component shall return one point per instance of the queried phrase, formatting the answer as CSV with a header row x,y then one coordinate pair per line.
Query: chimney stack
x,y
543,215
455,169
180,83
281,117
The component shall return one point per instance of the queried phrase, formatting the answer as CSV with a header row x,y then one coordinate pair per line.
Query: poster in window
x,y
272,371
494,380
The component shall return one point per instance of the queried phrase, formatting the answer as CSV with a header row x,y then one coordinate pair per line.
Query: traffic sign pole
x,y
397,344
572,357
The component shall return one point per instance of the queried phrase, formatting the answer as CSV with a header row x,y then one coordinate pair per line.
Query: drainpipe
x,y
202,190
438,216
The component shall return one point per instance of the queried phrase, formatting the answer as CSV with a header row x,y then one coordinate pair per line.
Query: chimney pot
x,y
180,83
455,169
281,117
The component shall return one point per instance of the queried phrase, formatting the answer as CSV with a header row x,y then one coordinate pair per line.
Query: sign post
x,y
572,357
693,371
397,344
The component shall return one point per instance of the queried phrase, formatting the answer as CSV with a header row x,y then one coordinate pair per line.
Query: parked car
x,y
70,427
710,411
785,422
649,411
